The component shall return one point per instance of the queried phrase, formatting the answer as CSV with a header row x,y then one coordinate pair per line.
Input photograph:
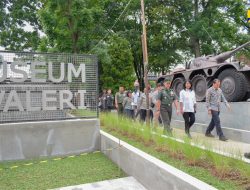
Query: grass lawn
x,y
217,170
88,168
83,113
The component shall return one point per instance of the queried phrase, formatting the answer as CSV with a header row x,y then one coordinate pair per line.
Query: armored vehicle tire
x,y
233,85
177,85
199,84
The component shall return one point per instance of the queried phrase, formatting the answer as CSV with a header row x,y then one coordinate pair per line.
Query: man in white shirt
x,y
188,106
136,96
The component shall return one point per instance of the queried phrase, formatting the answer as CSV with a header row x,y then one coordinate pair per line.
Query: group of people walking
x,y
133,103
161,100
188,107
106,100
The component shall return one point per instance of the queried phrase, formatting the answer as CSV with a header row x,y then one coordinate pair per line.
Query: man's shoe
x,y
209,135
247,155
222,138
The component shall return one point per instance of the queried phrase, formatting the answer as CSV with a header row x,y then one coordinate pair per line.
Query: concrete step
x,y
127,183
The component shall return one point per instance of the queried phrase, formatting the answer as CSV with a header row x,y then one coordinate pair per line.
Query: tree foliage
x,y
72,25
19,26
180,30
176,31
116,63
214,26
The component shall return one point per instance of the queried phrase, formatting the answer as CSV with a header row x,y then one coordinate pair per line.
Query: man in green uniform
x,y
165,99
119,96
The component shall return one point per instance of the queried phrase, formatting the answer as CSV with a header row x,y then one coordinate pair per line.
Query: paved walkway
x,y
229,148
127,183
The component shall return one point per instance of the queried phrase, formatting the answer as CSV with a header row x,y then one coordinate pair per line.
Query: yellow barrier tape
x,y
29,164
56,159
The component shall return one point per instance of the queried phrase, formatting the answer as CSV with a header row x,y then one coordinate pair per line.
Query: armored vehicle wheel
x,y
200,87
233,85
178,85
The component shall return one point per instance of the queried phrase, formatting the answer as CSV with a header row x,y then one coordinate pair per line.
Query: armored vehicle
x,y
234,76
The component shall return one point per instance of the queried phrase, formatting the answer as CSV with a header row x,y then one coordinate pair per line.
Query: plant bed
x,y
83,113
217,170
57,172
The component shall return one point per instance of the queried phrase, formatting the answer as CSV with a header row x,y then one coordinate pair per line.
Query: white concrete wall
x,y
151,172
28,140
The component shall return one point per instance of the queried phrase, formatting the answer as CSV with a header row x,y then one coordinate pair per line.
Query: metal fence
x,y
47,86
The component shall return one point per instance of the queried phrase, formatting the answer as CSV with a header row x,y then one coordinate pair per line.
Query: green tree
x,y
117,67
164,31
127,27
176,30
179,30
19,27
103,59
72,25
212,26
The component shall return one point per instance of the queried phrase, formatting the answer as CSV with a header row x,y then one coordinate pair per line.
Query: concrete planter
x,y
148,170
30,140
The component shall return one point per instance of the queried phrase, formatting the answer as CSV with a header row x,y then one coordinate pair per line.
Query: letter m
x,y
71,69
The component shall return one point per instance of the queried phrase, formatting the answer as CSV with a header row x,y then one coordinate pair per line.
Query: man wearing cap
x,y
165,99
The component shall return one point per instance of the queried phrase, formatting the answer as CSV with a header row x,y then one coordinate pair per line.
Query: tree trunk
x,y
163,72
196,46
139,70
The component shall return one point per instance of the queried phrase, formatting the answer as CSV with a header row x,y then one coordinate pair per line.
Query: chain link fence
x,y
47,86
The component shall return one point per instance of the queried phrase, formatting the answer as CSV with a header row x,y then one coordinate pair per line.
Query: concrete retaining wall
x,y
235,123
149,171
48,138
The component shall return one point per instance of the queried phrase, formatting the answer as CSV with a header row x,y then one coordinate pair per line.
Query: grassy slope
x,y
191,154
53,174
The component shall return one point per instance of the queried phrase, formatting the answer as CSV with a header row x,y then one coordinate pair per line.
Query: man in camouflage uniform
x,y
165,99
119,97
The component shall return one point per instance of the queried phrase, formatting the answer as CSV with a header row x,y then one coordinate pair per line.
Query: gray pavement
x,y
229,148
235,123
127,183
